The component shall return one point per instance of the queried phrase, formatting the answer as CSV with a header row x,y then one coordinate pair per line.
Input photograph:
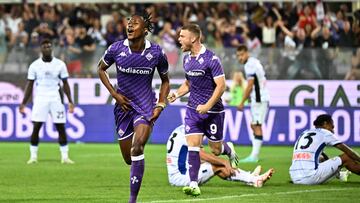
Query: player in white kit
x,y
310,165
46,73
259,97
177,166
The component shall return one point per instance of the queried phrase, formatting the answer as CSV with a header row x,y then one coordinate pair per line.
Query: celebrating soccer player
x,y
205,80
135,110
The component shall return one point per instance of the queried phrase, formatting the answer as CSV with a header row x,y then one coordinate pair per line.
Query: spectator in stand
x,y
87,46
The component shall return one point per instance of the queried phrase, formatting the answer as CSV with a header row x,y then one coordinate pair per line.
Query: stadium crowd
x,y
82,30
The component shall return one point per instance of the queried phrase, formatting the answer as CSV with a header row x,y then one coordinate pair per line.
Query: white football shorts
x,y
41,110
205,173
258,112
325,171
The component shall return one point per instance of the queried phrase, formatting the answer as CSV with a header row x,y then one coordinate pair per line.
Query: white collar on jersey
x,y
147,45
202,50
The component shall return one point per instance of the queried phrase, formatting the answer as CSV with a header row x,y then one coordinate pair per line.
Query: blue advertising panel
x,y
95,123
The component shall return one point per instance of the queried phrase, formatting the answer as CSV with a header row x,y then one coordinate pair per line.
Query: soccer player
x,y
309,167
211,165
205,80
47,72
136,60
259,96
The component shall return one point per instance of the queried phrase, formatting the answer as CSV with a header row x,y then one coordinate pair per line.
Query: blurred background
x,y
309,49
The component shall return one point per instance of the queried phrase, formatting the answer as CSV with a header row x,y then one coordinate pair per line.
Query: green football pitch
x,y
100,175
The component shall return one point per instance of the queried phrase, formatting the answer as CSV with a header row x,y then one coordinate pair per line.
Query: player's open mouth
x,y
130,31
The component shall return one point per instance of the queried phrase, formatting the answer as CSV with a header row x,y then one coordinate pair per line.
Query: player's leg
x,y
194,141
258,112
214,132
58,115
350,164
194,135
125,131
142,132
39,115
34,142
64,148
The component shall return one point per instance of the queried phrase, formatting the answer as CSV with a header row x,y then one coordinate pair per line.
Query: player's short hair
x,y
242,47
193,28
321,119
45,41
147,19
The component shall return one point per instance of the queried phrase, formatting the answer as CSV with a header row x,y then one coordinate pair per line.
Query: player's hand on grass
x,y
71,107
202,108
22,108
172,97
123,101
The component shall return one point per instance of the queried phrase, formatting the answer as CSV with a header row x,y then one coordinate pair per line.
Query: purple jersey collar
x,y
147,45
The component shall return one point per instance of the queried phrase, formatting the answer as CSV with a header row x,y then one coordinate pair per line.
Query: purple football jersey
x,y
201,71
135,73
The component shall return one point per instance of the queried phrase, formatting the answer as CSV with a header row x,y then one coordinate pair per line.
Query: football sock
x,y
243,176
256,145
194,163
225,149
64,152
136,175
33,152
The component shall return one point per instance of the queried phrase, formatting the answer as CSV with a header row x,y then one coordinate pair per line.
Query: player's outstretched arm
x,y
28,92
183,89
348,151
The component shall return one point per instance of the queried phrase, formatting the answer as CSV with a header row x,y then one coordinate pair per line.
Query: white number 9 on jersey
x,y
213,128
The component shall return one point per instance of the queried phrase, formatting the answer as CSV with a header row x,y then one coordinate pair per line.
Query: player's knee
x,y
345,159
137,150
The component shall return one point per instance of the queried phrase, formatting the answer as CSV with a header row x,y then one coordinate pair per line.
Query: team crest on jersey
x,y
122,54
149,56
121,132
187,128
201,60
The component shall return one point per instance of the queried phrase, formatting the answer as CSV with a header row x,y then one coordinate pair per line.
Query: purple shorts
x,y
210,124
127,121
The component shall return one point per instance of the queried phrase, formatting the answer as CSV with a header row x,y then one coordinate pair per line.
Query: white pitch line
x,y
249,195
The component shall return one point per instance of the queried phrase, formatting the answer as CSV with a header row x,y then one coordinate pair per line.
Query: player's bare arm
x,y
183,90
218,92
164,91
104,77
28,92
214,160
348,151
68,94
246,93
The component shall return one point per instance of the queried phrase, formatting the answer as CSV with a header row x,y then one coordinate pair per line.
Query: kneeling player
x,y
211,165
309,167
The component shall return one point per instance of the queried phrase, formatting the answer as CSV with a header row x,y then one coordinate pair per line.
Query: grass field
x,y
100,175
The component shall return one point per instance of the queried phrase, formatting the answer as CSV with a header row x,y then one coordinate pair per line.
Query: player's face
x,y
242,56
135,27
330,126
185,39
46,49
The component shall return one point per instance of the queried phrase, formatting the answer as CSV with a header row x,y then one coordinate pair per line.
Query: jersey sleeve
x,y
330,139
216,67
250,70
63,71
108,57
163,65
31,73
